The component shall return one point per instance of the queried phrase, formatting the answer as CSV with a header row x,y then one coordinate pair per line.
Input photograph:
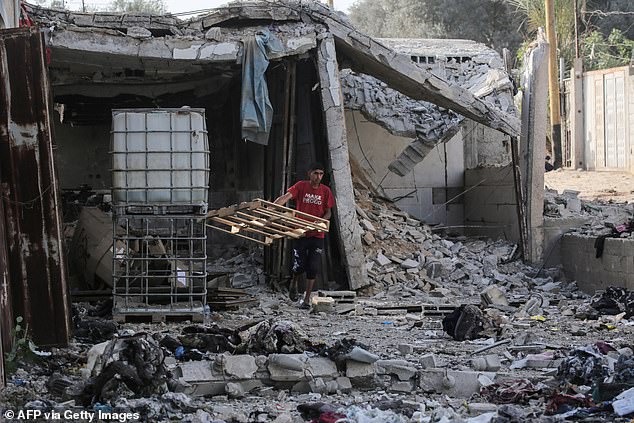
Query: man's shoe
x,y
304,306
292,293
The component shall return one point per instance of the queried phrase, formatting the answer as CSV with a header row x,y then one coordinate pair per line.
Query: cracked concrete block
x,y
455,383
240,366
355,369
322,304
428,361
401,368
343,384
322,367
318,386
402,386
287,367
361,355
382,260
188,53
410,264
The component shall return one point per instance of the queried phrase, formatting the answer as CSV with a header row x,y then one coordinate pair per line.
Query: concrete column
x,y
345,213
533,143
576,116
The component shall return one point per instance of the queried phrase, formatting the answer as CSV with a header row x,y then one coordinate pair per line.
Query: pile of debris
x,y
405,259
397,113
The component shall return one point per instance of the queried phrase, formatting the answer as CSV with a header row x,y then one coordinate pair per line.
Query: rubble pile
x,y
397,113
405,259
602,217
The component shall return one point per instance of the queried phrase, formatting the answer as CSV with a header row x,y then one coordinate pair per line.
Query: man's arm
x,y
327,214
283,199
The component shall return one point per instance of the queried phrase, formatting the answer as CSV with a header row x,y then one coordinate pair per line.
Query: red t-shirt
x,y
314,201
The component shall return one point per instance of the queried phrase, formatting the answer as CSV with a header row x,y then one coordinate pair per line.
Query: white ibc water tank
x,y
159,157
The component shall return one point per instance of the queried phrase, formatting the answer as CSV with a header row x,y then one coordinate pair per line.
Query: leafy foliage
x,y
602,53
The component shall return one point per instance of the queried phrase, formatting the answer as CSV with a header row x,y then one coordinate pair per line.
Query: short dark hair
x,y
316,166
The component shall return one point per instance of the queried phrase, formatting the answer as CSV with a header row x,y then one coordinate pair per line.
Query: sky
x,y
180,6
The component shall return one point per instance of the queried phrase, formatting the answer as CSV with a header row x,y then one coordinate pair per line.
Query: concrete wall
x,y
434,180
9,14
614,267
490,203
484,146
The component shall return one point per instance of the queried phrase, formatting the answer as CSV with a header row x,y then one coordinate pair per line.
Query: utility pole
x,y
83,6
553,83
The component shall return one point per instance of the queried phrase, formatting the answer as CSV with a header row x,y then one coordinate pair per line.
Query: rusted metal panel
x,y
37,267
6,315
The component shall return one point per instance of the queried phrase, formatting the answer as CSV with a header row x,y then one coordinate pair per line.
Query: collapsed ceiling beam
x,y
399,72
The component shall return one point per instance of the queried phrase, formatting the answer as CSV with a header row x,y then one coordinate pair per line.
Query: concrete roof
x,y
89,46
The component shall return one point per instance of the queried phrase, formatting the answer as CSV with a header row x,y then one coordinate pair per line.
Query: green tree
x,y
156,7
602,53
597,50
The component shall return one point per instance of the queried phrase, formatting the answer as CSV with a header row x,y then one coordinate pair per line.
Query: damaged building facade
x,y
99,62
412,132
433,156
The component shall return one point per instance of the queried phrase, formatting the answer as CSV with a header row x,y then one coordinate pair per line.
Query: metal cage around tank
x,y
159,266
160,180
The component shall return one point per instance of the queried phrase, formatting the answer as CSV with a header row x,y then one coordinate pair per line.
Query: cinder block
x,y
459,384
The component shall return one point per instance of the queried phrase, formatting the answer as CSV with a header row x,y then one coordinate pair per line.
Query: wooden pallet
x,y
228,298
264,222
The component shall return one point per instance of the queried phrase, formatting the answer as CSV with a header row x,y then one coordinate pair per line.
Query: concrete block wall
x,y
490,204
614,267
374,148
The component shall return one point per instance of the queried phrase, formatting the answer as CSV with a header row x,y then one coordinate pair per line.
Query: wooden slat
x,y
266,241
265,219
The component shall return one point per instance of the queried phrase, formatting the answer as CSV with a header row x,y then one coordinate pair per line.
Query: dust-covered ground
x,y
593,185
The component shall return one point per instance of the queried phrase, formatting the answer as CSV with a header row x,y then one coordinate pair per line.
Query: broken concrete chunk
x,y
428,361
367,225
356,369
240,366
402,386
410,264
493,295
401,368
361,355
368,238
382,260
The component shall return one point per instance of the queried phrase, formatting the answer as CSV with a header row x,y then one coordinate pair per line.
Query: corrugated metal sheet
x,y
37,269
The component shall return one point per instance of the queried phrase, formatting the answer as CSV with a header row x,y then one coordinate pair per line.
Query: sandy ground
x,y
593,185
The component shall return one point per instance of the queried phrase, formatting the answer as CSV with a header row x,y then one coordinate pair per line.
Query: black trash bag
x,y
465,322
615,300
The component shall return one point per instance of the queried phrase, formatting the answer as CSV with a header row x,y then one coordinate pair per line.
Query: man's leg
x,y
313,263
309,289
292,289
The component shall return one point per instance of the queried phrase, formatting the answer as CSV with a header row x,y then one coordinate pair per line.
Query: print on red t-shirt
x,y
313,201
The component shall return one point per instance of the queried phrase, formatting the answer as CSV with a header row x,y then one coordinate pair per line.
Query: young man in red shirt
x,y
314,198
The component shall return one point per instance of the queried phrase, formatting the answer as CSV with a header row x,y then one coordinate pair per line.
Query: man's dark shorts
x,y
307,256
